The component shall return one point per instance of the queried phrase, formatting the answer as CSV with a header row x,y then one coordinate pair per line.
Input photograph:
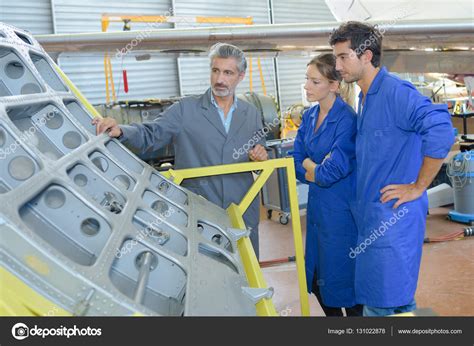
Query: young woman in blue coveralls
x,y
324,155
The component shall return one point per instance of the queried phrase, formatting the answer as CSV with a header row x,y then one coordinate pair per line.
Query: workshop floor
x,y
446,275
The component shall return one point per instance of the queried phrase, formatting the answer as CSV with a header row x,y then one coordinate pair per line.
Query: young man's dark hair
x,y
362,37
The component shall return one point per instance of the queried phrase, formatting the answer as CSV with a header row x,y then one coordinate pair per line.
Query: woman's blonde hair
x,y
326,65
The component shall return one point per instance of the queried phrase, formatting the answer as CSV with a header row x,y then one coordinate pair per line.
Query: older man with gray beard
x,y
207,130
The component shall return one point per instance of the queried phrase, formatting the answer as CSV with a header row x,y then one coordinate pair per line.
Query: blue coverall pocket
x,y
381,225
380,142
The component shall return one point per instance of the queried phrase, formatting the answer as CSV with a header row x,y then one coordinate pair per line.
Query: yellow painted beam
x,y
134,18
225,20
262,80
255,189
252,269
198,172
19,299
298,239
108,18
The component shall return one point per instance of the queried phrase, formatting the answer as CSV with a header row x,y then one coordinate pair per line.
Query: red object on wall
x,y
125,81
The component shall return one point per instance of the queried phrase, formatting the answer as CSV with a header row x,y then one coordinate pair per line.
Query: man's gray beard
x,y
221,93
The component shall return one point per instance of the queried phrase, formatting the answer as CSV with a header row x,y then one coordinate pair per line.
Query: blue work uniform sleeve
x,y
341,161
415,112
299,151
151,136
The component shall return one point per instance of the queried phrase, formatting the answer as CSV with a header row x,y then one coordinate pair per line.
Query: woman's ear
x,y
334,86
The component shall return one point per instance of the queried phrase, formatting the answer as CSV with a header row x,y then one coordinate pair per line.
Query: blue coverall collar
x,y
376,83
334,112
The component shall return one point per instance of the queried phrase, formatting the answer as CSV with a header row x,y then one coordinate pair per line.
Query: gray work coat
x,y
194,126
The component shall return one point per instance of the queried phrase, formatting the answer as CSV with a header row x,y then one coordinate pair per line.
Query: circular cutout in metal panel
x,y
14,70
55,198
160,206
54,120
90,227
21,168
80,180
30,88
140,259
72,140
163,186
123,181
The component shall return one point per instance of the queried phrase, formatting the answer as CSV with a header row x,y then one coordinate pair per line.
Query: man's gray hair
x,y
225,50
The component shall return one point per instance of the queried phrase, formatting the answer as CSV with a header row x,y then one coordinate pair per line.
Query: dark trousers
x,y
355,310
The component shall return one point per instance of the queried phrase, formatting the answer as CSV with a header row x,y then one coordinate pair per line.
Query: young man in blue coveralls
x,y
402,139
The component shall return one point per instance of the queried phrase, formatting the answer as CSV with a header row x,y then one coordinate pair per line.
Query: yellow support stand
x,y
252,268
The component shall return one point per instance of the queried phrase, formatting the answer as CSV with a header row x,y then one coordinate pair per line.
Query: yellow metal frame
x,y
254,274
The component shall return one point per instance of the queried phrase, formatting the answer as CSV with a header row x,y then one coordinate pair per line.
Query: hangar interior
x,y
49,64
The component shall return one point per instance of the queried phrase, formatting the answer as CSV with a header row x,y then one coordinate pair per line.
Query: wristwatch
x,y
121,134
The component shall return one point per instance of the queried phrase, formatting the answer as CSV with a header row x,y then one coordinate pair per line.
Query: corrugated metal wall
x,y
301,11
268,68
32,15
155,77
291,74
160,76
194,72
291,71
257,9
74,16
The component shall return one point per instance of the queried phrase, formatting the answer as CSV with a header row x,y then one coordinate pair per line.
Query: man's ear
x,y
367,56
241,76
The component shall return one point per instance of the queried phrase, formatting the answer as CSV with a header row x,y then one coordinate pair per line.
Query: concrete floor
x,y
446,275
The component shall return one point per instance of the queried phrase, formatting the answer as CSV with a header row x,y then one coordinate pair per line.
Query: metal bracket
x,y
157,234
237,233
257,294
111,203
